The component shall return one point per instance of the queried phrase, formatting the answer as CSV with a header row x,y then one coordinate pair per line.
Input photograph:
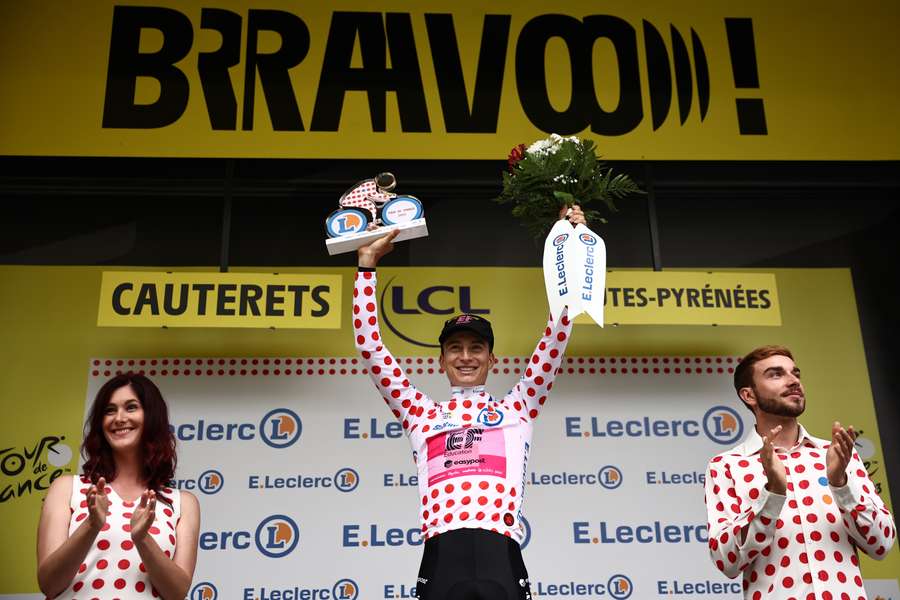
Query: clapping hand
x,y
143,516
772,465
839,453
97,504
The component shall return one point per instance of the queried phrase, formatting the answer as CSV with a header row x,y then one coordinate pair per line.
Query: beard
x,y
778,406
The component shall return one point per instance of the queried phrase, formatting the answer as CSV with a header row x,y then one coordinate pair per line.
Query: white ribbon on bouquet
x,y
575,271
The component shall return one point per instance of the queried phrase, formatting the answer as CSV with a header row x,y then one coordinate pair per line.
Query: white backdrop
x,y
306,484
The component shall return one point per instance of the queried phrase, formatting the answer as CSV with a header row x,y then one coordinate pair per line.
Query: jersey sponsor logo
x,y
466,452
490,417
459,440
721,424
204,591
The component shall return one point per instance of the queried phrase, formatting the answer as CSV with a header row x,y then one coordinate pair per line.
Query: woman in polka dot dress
x,y
788,511
471,451
118,531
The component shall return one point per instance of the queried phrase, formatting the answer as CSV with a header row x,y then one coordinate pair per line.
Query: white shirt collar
x,y
753,442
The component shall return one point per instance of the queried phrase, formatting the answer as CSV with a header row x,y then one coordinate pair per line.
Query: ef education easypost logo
x,y
204,591
723,425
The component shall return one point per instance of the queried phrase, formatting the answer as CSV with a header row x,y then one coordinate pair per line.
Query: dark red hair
x,y
158,444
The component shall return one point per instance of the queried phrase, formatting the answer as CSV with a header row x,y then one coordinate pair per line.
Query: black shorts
x,y
472,564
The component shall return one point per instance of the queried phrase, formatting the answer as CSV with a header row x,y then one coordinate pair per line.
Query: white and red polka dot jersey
x,y
471,451
113,567
801,546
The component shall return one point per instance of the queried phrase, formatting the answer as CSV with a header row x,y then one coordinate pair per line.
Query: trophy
x,y
369,210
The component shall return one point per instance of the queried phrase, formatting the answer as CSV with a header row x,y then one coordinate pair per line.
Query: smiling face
x,y
123,420
776,388
466,358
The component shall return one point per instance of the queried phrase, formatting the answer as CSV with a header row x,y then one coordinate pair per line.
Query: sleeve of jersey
x,y
537,380
737,534
866,519
405,401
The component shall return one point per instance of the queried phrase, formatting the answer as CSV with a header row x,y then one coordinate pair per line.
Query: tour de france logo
x,y
280,428
723,425
277,536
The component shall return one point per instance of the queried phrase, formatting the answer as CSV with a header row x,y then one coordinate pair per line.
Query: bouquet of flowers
x,y
559,171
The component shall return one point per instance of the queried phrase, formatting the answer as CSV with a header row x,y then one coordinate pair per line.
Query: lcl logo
x,y
431,300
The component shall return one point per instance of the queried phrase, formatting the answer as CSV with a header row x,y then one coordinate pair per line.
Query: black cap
x,y
465,322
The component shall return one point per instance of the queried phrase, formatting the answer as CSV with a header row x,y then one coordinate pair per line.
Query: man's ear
x,y
746,394
494,360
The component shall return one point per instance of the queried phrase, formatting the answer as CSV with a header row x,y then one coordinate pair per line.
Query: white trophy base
x,y
408,231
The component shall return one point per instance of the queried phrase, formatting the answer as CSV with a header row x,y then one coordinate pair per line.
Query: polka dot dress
x,y
113,567
471,451
801,546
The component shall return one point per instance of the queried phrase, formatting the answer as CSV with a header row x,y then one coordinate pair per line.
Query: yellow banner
x,y
764,80
290,301
690,298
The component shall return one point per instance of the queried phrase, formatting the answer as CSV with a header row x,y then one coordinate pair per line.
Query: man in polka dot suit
x,y
788,510
471,450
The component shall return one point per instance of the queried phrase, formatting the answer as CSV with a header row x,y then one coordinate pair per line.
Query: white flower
x,y
549,145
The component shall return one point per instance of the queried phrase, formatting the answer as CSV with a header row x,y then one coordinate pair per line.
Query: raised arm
x,y
405,401
537,380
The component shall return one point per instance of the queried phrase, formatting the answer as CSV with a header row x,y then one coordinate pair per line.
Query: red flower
x,y
515,155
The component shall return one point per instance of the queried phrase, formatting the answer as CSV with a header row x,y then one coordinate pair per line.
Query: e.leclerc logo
x,y
619,587
209,482
343,589
344,480
609,477
587,239
275,536
721,424
279,428
204,591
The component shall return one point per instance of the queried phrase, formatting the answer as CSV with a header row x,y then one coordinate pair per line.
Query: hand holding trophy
x,y
369,210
